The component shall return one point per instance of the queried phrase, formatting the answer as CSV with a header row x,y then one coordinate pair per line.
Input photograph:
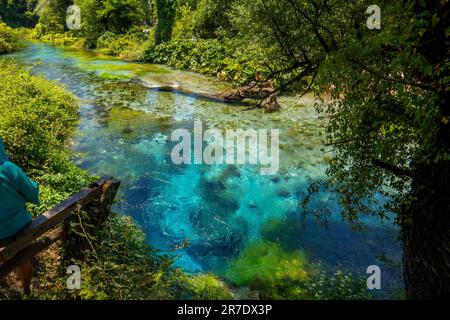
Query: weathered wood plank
x,y
49,220
108,194
30,251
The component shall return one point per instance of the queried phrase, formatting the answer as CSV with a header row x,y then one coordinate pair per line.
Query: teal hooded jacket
x,y
16,189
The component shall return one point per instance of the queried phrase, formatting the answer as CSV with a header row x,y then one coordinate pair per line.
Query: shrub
x,y
184,26
36,118
10,39
211,56
129,46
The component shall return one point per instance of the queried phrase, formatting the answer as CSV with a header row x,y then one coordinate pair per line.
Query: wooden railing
x,y
47,228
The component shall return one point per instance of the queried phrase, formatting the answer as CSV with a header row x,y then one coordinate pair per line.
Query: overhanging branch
x,y
392,168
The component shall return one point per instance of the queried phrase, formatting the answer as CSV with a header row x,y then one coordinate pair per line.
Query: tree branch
x,y
392,168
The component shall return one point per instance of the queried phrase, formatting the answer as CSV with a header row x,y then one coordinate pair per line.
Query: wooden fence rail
x,y
45,229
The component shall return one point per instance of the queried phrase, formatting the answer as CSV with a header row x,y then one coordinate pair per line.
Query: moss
x,y
266,261
209,287
276,273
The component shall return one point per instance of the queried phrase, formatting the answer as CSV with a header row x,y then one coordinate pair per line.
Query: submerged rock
x,y
283,193
275,179
127,129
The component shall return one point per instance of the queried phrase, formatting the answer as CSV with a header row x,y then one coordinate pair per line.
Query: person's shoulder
x,y
11,167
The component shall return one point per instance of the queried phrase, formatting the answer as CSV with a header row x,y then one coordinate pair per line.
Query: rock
x,y
127,130
275,179
283,193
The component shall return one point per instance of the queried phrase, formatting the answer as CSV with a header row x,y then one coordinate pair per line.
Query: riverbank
x,y
122,265
225,60
124,121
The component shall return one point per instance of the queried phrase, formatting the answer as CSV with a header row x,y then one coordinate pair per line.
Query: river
x,y
206,215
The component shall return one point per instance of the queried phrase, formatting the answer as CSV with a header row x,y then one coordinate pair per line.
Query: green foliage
x,y
210,16
122,267
10,39
116,16
67,39
185,24
166,18
37,117
280,274
120,15
52,16
18,13
210,56
130,46
208,287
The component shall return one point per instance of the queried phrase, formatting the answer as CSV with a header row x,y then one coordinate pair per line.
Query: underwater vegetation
x,y
276,273
209,287
222,213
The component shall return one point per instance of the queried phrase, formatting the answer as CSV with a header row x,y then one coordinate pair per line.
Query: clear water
x,y
206,215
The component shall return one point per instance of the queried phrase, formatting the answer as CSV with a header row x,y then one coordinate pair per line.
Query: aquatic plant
x,y
276,273
267,262
209,287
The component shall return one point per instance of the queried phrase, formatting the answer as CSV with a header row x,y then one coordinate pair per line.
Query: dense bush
x,y
36,118
210,16
213,57
116,16
129,46
10,39
18,13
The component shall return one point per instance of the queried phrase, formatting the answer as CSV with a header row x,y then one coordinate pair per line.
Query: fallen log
x,y
264,93
261,91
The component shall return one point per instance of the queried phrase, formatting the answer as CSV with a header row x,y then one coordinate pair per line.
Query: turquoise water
x,y
206,215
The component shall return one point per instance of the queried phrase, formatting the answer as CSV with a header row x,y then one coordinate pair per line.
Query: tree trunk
x,y
425,223
425,230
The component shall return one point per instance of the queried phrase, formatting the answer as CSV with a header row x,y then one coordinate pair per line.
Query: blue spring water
x,y
210,213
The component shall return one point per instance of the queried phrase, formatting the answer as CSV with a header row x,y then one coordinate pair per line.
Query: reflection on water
x,y
217,210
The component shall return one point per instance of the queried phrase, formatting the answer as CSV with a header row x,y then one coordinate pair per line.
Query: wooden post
x,y
107,196
31,240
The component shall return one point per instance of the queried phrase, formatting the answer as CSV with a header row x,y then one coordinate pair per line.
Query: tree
x,y
18,13
117,16
52,15
387,109
120,15
166,18
210,15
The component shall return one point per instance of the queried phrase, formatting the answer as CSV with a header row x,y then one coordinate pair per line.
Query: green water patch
x,y
265,261
110,67
275,273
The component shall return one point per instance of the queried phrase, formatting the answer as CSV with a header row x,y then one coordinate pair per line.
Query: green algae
x,y
110,67
266,262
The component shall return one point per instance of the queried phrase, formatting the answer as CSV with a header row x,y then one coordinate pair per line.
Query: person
x,y
16,189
